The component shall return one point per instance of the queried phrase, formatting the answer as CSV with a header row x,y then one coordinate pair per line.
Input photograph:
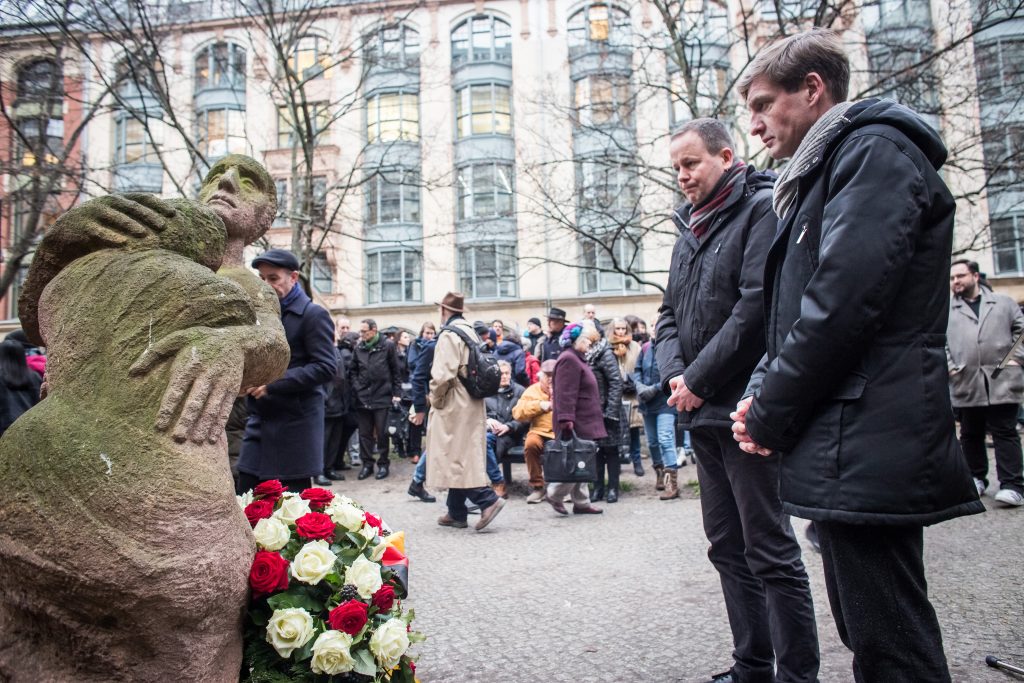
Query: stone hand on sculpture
x,y
116,220
206,376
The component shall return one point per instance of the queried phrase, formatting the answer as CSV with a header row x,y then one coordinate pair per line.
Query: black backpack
x,y
483,376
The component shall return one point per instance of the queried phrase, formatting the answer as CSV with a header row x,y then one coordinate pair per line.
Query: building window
x,y
291,134
393,197
598,26
393,116
603,265
393,276
481,39
321,275
1004,154
221,132
1000,66
1008,244
484,109
309,58
488,271
394,47
281,219
485,191
221,65
608,185
317,209
895,13
39,137
603,99
131,143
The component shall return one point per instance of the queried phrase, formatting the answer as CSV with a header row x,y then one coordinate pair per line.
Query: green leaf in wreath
x,y
364,663
295,596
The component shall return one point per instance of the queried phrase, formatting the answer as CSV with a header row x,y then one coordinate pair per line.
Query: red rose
x,y
259,509
349,617
314,526
271,490
374,521
318,498
384,598
269,573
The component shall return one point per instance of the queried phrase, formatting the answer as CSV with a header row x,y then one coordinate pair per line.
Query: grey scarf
x,y
806,155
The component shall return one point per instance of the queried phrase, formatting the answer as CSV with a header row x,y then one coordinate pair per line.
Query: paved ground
x,y
630,595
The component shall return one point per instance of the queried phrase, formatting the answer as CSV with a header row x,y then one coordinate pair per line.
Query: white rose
x,y
389,642
291,509
244,499
289,629
271,534
368,532
332,653
313,562
346,515
365,576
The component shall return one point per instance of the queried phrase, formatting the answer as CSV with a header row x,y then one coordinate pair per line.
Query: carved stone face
x,y
239,191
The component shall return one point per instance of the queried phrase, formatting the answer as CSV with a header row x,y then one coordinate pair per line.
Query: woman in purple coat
x,y
577,407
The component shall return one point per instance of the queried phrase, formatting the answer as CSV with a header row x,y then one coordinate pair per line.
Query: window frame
x,y
1015,246
410,285
469,54
148,154
599,269
203,123
236,63
408,185
466,116
320,115
320,271
467,191
506,282
376,55
583,32
408,128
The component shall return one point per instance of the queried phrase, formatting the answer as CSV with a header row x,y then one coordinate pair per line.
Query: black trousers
x,y
481,496
764,583
1001,421
248,481
879,597
373,429
608,459
337,432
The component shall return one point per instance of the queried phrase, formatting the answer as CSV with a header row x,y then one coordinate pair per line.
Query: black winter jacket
x,y
339,392
609,385
711,321
375,374
853,390
499,407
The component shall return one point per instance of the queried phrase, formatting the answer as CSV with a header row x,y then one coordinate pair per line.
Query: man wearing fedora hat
x,y
549,348
284,436
457,429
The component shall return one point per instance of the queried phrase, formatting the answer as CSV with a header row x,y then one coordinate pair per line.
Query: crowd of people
x,y
376,404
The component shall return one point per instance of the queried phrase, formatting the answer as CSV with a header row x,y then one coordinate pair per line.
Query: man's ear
x,y
727,156
816,89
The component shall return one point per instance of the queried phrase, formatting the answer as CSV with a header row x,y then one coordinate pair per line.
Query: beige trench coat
x,y
457,423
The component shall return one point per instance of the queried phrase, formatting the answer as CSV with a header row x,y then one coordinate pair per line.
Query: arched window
x,y
309,57
393,47
481,39
40,79
598,26
220,65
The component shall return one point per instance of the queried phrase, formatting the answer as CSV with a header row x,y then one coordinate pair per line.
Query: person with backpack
x,y
460,378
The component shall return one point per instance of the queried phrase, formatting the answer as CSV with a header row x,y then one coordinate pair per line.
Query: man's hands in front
x,y
682,398
739,428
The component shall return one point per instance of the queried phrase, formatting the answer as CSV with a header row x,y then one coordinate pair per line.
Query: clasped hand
x,y
739,429
682,398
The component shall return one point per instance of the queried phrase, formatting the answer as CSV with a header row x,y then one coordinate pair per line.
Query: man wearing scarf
x,y
852,393
710,335
284,435
376,377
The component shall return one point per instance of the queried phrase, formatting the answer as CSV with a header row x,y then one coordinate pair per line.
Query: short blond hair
x,y
787,62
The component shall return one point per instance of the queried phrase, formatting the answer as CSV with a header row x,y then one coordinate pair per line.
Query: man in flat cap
x,y
285,432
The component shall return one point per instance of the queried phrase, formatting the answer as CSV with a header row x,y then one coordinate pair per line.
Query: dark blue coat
x,y
513,354
647,380
284,437
421,374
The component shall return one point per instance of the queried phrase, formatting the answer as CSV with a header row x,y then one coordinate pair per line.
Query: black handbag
x,y
573,460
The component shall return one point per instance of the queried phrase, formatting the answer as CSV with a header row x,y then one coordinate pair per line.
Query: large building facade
x,y
515,150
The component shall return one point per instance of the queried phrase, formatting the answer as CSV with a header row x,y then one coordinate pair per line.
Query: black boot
x,y
383,469
613,495
366,470
597,493
416,490
613,478
321,480
638,468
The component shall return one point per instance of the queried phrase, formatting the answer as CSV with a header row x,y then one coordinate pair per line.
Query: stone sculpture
x,y
123,553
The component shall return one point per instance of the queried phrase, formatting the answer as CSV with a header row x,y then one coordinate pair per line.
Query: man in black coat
x,y
503,432
284,435
376,379
852,391
339,414
710,336
549,348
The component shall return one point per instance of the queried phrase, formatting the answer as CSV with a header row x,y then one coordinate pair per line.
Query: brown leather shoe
x,y
489,513
448,520
586,510
499,489
557,506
